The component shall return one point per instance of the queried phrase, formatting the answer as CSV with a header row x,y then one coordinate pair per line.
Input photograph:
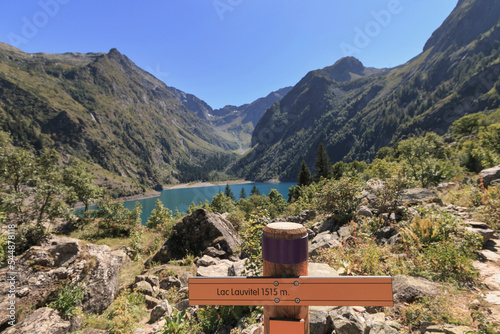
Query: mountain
x,y
102,108
354,110
236,124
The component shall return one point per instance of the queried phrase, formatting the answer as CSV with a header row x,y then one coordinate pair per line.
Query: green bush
x,y
68,300
340,197
159,217
214,318
251,245
115,220
222,203
490,210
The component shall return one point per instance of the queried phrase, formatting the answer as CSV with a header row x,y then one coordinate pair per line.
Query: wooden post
x,y
285,253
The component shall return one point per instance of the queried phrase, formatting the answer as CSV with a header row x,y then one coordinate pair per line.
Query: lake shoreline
x,y
205,184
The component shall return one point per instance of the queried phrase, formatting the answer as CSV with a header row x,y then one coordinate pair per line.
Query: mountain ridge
x,y
354,115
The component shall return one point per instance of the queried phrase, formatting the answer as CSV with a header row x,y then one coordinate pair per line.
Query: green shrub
x,y
251,245
159,217
122,316
214,318
340,197
115,220
222,203
426,309
449,263
68,300
490,211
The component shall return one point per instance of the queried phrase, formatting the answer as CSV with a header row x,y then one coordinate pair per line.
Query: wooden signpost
x,y
285,291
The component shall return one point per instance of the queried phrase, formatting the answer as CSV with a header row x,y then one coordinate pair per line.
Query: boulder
x,y
407,288
420,195
159,311
482,229
321,270
170,282
42,269
151,279
236,269
220,269
206,261
347,321
151,302
320,321
490,175
322,241
364,211
42,321
385,233
195,233
328,225
182,305
145,288
380,328
211,251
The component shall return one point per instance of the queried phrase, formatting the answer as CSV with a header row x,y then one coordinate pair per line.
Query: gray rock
x,y
170,282
482,229
322,241
364,211
92,267
447,186
236,269
420,195
207,260
42,321
385,232
321,270
328,225
197,232
344,232
489,175
347,321
320,321
380,328
151,279
211,251
182,305
152,302
407,288
145,288
160,310
220,269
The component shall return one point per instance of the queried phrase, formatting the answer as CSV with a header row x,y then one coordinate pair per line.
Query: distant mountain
x,y
354,110
104,109
236,124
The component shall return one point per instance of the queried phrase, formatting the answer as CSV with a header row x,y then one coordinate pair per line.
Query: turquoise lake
x,y
182,198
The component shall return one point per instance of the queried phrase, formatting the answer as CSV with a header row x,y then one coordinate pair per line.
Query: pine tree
x,y
305,177
322,164
255,191
229,193
243,193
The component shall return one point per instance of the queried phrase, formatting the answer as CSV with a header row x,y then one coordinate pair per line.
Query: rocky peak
x,y
343,68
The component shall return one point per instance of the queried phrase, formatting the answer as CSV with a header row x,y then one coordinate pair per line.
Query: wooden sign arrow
x,y
301,291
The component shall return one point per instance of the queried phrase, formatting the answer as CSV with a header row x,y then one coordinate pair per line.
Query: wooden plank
x,y
286,327
302,291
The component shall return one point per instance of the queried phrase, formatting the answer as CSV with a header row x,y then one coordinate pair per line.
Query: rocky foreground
x,y
42,269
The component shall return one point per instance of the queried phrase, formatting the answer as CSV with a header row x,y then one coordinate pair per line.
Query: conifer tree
x,y
255,191
322,164
229,193
243,193
305,177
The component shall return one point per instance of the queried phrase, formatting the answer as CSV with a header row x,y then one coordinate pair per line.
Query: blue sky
x,y
227,51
